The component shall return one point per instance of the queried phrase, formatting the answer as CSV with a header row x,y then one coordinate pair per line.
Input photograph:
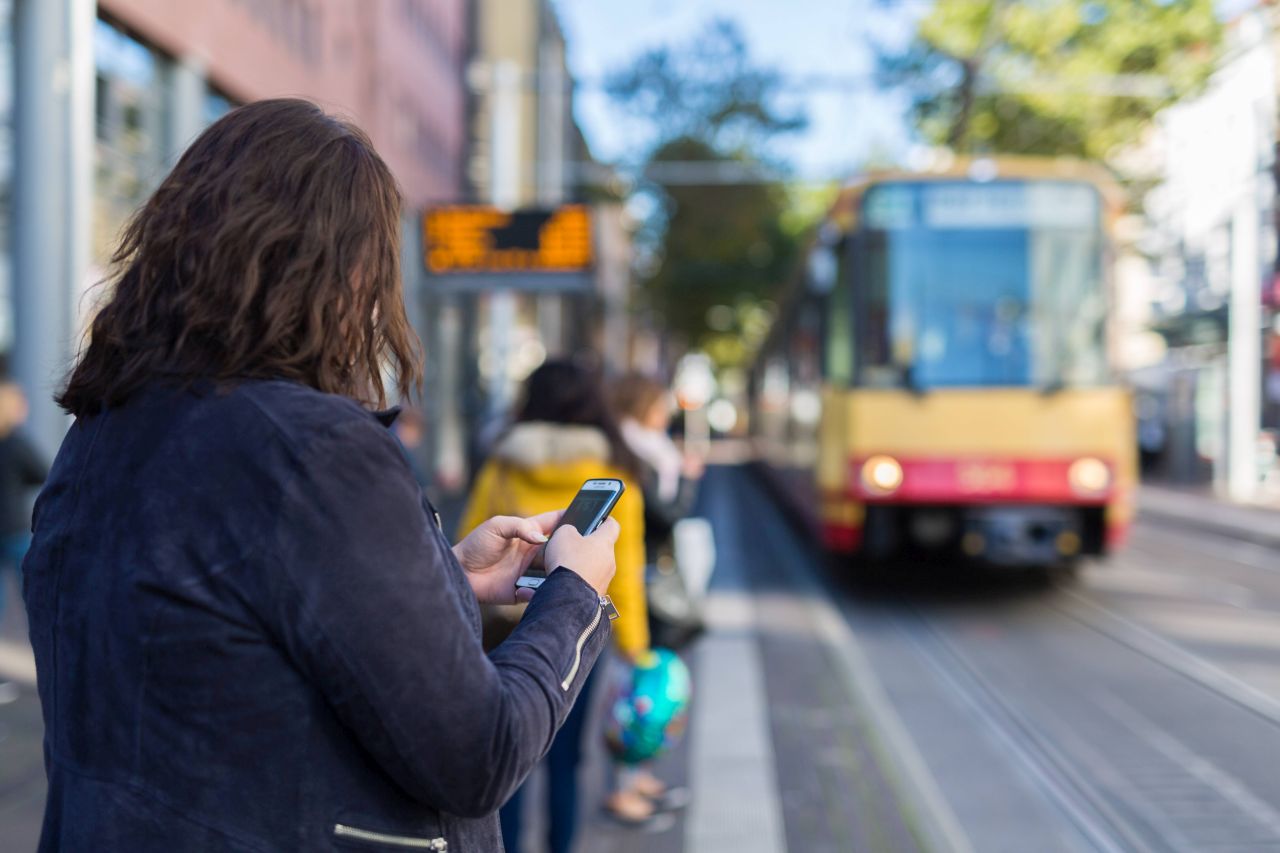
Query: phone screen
x,y
586,508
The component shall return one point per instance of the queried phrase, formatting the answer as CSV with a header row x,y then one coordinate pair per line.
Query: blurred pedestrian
x,y
669,478
410,429
21,470
669,475
249,631
563,435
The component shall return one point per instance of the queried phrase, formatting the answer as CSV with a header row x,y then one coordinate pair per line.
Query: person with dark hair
x,y
669,475
410,429
669,479
249,631
563,434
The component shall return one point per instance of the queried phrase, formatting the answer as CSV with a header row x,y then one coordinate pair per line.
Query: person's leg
x,y
16,548
663,796
509,820
8,690
562,772
624,802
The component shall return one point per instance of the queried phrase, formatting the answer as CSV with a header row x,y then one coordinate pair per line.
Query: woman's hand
x,y
498,552
588,556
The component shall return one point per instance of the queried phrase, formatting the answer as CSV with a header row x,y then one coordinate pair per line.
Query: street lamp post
x,y
53,175
1244,352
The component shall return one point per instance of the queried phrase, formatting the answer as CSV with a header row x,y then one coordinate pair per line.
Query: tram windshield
x,y
980,284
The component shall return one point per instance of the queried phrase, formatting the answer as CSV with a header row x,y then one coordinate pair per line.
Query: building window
x,y
216,104
294,23
130,104
428,26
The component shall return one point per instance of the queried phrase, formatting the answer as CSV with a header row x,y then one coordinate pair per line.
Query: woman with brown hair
x,y
250,633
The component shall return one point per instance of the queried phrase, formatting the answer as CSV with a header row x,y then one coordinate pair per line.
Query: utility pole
x,y
185,101
504,194
552,102
1244,349
53,185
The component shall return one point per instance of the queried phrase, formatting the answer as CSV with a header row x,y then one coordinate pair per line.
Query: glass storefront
x,y
129,116
216,104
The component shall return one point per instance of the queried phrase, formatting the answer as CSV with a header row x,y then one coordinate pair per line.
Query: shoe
x,y
672,799
8,692
667,799
635,811
655,822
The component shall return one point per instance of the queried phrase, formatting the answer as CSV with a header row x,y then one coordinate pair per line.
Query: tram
x,y
938,379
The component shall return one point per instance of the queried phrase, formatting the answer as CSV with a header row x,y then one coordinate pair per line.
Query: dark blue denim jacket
x,y
250,634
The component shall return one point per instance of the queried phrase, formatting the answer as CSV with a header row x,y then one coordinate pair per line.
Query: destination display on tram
x,y
970,205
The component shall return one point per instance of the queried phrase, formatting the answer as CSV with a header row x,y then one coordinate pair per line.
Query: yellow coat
x,y
538,467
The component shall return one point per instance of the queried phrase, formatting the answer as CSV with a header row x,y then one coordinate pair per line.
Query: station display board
x,y
482,246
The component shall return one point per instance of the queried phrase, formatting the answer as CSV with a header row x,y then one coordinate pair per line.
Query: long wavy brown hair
x,y
272,250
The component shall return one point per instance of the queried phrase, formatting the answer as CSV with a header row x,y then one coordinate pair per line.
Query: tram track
x,y
1153,794
1150,645
1102,733
1052,774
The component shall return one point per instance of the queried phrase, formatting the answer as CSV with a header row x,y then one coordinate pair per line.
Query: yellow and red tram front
x,y
968,403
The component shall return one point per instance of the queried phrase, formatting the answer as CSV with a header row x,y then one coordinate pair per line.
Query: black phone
x,y
587,511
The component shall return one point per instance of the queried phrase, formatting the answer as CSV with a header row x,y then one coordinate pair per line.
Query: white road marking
x,y
940,824
735,806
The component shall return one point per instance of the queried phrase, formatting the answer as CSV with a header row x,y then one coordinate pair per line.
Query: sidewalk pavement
x,y
1201,510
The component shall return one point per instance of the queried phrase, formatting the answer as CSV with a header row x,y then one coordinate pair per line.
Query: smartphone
x,y
587,511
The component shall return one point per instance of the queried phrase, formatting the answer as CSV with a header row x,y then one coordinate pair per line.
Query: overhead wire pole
x,y
721,172
53,182
1244,352
504,194
733,172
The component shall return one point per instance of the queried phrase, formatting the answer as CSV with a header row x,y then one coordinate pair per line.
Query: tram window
x,y
1009,294
838,349
1066,269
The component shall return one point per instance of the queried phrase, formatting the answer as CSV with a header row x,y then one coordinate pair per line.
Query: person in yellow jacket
x,y
563,435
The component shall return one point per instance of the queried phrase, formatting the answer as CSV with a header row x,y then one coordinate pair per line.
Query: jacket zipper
x,y
408,841
577,652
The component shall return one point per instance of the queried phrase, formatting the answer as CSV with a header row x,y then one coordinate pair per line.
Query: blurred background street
x,y
970,307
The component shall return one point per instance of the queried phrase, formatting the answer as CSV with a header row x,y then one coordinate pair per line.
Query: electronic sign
x,y
465,240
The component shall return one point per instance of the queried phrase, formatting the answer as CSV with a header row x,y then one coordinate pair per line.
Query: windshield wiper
x,y
1054,386
909,381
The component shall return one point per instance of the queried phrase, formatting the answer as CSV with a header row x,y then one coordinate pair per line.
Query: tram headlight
x,y
882,475
1089,475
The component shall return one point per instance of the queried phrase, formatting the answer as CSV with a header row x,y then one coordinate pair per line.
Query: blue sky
x,y
797,37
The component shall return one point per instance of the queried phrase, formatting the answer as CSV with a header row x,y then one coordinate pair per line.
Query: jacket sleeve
x,y
631,630
370,603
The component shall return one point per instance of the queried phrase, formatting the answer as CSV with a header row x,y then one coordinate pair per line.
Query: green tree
x,y
1077,77
723,250
706,88
718,241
